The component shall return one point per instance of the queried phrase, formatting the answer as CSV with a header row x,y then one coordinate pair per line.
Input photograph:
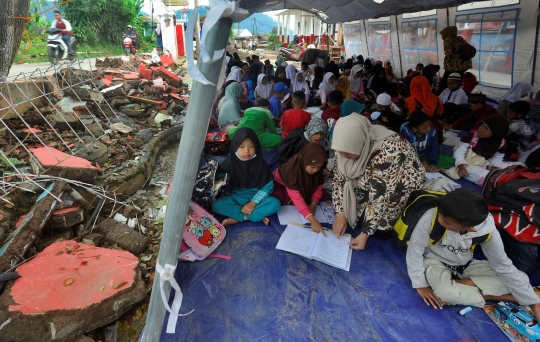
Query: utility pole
x,y
197,29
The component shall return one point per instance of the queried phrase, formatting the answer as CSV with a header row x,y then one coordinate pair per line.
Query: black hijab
x,y
285,80
318,74
348,64
333,68
254,173
378,85
368,65
360,59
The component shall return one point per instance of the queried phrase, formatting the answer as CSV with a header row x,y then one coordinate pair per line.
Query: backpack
x,y
513,197
418,203
217,143
207,188
202,235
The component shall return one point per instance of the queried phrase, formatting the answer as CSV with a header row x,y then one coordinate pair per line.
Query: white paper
x,y
297,240
328,211
435,175
333,251
289,213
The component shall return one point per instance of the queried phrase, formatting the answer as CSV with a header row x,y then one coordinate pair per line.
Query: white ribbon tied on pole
x,y
218,9
167,274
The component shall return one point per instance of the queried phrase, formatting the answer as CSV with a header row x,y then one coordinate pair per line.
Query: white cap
x,y
454,76
384,99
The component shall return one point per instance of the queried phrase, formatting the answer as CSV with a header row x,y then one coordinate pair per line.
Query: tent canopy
x,y
244,34
337,11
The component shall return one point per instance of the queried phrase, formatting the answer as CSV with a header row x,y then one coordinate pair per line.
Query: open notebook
x,y
324,214
305,242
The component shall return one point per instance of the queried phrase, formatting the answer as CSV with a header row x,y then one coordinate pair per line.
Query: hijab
x,y
517,91
318,77
350,106
487,147
421,92
321,62
253,72
428,73
354,134
290,72
294,175
360,59
353,80
345,89
449,32
378,85
277,79
348,64
263,90
327,86
230,111
317,125
279,60
536,100
333,68
236,74
246,174
299,86
368,65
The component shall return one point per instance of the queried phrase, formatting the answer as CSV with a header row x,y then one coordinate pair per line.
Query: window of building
x,y
493,35
419,14
379,40
487,4
419,42
353,39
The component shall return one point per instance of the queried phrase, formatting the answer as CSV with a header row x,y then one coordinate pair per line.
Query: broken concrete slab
x,y
145,135
119,101
95,129
50,161
19,93
67,217
94,239
113,91
68,289
83,94
11,253
95,152
117,233
63,122
133,113
170,77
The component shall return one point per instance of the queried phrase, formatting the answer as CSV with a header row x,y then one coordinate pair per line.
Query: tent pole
x,y
399,46
535,54
187,161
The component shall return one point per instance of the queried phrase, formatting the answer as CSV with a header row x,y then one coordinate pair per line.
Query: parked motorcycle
x,y
129,47
291,55
57,48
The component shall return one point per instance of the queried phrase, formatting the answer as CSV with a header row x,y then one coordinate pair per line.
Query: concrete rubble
x,y
104,132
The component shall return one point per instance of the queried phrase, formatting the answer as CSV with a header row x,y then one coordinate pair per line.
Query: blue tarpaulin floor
x,y
264,294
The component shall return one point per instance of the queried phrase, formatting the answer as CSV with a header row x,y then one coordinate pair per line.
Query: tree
x,y
274,30
101,21
11,31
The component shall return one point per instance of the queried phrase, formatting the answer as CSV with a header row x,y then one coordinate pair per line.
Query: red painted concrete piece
x,y
49,156
170,74
31,130
130,76
166,60
145,73
90,271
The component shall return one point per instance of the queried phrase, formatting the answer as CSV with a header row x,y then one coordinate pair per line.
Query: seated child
x,y
300,181
268,69
479,111
389,120
419,131
300,84
251,181
263,90
384,101
453,93
298,138
447,273
335,99
280,90
521,131
260,120
326,86
296,117
481,148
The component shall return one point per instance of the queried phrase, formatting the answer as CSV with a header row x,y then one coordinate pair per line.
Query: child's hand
x,y
360,242
313,207
248,208
462,172
429,297
316,226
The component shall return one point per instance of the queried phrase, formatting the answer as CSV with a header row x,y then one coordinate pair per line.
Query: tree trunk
x,y
340,35
11,31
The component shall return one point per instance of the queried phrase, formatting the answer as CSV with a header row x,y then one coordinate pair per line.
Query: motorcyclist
x,y
131,33
65,26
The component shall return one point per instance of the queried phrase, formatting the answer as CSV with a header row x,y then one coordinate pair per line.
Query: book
x,y
305,242
434,175
324,213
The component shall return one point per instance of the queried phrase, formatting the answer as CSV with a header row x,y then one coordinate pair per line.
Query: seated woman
x,y
516,93
251,181
356,85
300,181
231,113
261,121
375,172
297,138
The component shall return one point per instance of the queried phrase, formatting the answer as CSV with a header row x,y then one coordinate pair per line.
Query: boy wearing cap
x,y
453,93
389,120
280,90
384,102
479,111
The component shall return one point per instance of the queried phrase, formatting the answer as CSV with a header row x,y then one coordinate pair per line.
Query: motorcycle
x,y
129,47
57,48
291,55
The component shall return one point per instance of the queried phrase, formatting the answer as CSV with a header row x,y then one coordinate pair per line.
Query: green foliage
x,y
272,41
101,21
274,30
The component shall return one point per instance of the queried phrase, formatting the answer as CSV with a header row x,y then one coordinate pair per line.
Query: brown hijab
x,y
448,32
294,173
487,147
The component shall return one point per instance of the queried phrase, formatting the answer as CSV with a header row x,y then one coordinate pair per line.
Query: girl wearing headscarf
x,y
236,75
534,114
251,80
298,138
423,99
300,182
290,72
230,112
333,68
279,61
344,87
348,64
299,84
251,182
355,81
318,76
327,85
350,106
264,88
360,60
481,148
378,82
261,121
518,91
375,172
281,76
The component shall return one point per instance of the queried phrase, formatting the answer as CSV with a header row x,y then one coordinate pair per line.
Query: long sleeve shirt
x,y
475,117
263,192
63,24
455,249
423,144
457,96
459,155
296,197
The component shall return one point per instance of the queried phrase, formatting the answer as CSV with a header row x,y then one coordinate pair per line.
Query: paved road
x,y
17,69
